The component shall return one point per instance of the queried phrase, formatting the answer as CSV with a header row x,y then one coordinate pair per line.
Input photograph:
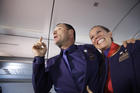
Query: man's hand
x,y
39,49
132,40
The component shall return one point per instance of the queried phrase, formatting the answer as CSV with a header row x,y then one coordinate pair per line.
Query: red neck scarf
x,y
113,49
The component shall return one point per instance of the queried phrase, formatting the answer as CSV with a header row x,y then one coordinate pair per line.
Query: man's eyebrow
x,y
98,30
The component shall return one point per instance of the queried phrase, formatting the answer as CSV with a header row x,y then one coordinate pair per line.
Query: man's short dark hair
x,y
103,27
68,26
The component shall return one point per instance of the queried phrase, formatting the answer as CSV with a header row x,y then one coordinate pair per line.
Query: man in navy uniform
x,y
122,65
75,68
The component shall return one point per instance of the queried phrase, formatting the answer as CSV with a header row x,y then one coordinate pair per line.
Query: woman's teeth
x,y
100,41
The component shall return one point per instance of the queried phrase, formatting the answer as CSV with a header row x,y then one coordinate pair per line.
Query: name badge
x,y
123,55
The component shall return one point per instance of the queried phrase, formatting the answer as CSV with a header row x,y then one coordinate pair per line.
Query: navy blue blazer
x,y
56,73
124,70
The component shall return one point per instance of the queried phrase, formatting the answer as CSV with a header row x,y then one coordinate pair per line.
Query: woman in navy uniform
x,y
122,65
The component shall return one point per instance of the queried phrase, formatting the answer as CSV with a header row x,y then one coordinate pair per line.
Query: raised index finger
x,y
40,39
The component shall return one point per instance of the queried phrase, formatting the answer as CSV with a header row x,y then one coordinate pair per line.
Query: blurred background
x,y
23,22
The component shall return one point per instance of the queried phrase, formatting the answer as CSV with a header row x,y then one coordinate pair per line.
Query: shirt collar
x,y
106,52
71,49
114,48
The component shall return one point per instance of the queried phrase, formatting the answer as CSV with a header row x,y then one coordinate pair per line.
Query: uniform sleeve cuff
x,y
39,60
